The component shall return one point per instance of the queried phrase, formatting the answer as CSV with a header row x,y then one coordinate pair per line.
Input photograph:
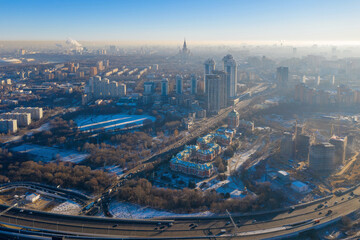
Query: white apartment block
x,y
36,112
23,119
8,125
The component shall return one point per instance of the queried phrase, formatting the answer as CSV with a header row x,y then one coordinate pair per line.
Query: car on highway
x,y
291,209
115,225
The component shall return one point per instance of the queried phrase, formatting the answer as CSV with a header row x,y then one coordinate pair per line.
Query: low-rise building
x,y
202,170
299,187
283,176
33,197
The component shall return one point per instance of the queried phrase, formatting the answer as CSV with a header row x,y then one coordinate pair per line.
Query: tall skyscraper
x,y
179,84
230,69
164,87
193,84
282,76
209,67
216,94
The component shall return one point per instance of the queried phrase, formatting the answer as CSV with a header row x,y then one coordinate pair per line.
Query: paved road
x,y
266,226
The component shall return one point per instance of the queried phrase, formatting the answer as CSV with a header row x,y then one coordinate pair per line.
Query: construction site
x,y
320,151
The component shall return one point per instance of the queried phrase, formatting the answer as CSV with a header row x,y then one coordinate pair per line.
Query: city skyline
x,y
168,21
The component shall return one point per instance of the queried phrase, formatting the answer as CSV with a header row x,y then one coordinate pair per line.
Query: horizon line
x,y
196,43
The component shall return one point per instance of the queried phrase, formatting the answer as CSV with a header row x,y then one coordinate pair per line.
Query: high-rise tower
x,y
164,87
179,84
230,69
216,91
209,67
282,76
193,84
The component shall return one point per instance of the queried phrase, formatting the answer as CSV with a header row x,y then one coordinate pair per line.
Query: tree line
x,y
192,200
67,175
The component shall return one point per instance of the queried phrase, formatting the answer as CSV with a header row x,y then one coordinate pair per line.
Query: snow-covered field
x,y
110,122
239,158
133,211
47,154
68,208
114,169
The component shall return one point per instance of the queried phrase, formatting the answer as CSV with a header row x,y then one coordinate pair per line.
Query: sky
x,y
174,20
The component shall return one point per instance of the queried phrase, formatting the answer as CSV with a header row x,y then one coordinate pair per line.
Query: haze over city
x,y
179,119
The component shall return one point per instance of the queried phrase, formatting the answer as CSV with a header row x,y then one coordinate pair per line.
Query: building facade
x,y
179,84
216,94
282,76
230,69
8,125
322,158
233,119
36,112
23,119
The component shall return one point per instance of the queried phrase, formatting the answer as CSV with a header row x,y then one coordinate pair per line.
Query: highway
x,y
276,224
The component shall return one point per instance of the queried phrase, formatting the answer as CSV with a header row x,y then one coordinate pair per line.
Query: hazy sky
x,y
172,20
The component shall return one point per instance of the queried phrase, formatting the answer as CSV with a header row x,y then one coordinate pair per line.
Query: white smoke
x,y
73,42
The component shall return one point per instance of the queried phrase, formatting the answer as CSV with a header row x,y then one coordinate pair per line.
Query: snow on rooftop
x,y
299,184
48,154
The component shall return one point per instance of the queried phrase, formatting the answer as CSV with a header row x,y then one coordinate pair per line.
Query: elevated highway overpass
x,y
276,224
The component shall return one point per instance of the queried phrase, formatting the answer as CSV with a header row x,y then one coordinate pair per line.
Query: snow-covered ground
x,y
133,211
115,169
68,208
44,127
231,185
47,154
239,158
109,122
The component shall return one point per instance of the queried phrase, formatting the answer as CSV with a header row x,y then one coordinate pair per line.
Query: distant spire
x,y
184,46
